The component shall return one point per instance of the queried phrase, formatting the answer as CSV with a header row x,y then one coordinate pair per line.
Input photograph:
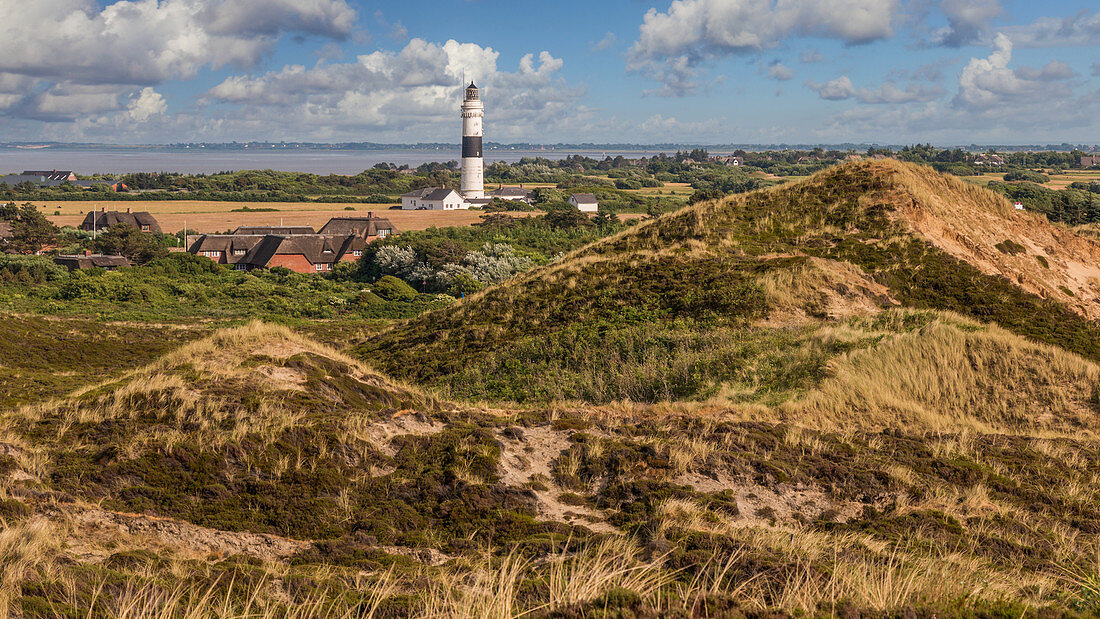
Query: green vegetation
x,y
423,515
462,260
659,312
1077,204
787,403
30,230
182,286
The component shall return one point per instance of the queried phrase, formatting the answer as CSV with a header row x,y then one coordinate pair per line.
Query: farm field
x,y
208,217
1057,181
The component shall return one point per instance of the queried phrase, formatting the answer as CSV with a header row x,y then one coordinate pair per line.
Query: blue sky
x,y
685,71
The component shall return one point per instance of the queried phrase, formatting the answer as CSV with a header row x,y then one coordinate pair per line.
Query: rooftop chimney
x,y
370,214
127,209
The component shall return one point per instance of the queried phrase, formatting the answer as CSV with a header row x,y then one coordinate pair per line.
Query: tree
x,y
126,240
606,218
30,230
565,217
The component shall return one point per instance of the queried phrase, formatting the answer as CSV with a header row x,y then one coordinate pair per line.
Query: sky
x,y
950,72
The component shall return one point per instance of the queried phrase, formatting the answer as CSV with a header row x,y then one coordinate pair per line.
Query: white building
x,y
433,199
585,202
473,164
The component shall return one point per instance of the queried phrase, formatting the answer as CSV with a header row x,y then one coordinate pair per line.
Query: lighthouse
x,y
473,165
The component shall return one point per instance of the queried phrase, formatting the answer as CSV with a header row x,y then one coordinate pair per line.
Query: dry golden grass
x,y
238,359
865,571
209,217
955,374
822,288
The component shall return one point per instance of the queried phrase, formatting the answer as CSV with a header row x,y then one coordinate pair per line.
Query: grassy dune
x,y
689,305
257,473
796,402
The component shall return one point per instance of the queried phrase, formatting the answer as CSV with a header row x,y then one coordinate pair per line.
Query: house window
x,y
240,266
357,252
318,266
382,232
238,252
145,228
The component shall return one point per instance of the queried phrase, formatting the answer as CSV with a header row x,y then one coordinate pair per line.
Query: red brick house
x,y
313,253
223,248
297,248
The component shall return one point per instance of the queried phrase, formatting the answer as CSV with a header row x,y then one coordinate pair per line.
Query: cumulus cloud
x,y
672,44
84,59
995,102
888,93
967,20
414,89
989,82
146,104
145,42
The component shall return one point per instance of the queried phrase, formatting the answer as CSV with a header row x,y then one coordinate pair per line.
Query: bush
x,y
1027,175
392,289
29,269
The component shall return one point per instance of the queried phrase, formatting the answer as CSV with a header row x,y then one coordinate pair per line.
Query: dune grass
x,y
686,306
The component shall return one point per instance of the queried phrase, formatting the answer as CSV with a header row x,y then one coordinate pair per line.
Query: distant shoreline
x,y
289,147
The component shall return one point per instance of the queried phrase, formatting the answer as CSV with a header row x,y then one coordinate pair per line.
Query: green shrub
x,y
392,289
1027,175
29,269
1010,247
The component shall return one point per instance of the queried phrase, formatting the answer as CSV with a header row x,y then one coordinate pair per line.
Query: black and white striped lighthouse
x,y
473,164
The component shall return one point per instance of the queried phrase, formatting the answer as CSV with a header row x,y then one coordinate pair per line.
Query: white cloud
x,y
780,71
673,43
235,18
1079,30
888,93
1052,71
146,104
989,82
84,59
397,94
146,42
968,20
995,103
834,90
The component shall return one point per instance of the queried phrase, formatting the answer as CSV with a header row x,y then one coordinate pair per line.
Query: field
x,y
209,217
219,216
1057,181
